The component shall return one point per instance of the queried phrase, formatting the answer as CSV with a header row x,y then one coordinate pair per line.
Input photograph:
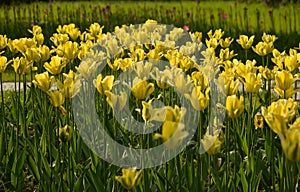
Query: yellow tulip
x,y
212,43
228,85
162,78
292,61
285,94
57,98
267,73
211,144
198,99
269,38
59,39
182,84
234,106
290,142
130,178
217,34
44,81
258,120
104,84
245,41
143,69
56,65
71,85
284,79
95,29
65,133
3,41
36,29
137,55
243,69
263,48
252,82
3,63
225,43
117,102
279,113
175,114
68,50
172,133
278,58
32,54
141,89
39,38
125,63
226,54
22,66
199,79
84,48
44,52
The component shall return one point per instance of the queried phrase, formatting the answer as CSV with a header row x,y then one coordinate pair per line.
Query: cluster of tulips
x,y
60,70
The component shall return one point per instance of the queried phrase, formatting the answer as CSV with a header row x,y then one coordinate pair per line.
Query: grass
x,y
251,18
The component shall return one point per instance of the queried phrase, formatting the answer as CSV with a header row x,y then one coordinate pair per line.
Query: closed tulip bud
x,y
57,98
234,106
130,178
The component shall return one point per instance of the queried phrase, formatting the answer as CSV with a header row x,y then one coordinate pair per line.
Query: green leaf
x,y
243,180
34,168
17,167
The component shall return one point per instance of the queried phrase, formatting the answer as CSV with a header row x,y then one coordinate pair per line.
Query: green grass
x,y
203,16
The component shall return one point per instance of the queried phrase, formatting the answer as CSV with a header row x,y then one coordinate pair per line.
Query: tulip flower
x,y
59,39
3,63
68,50
22,66
290,142
56,65
3,41
279,113
258,120
252,82
226,54
141,89
104,84
117,102
228,85
225,43
263,48
130,178
65,133
234,106
172,134
70,87
269,38
292,61
284,79
44,52
211,144
245,41
44,81
198,99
